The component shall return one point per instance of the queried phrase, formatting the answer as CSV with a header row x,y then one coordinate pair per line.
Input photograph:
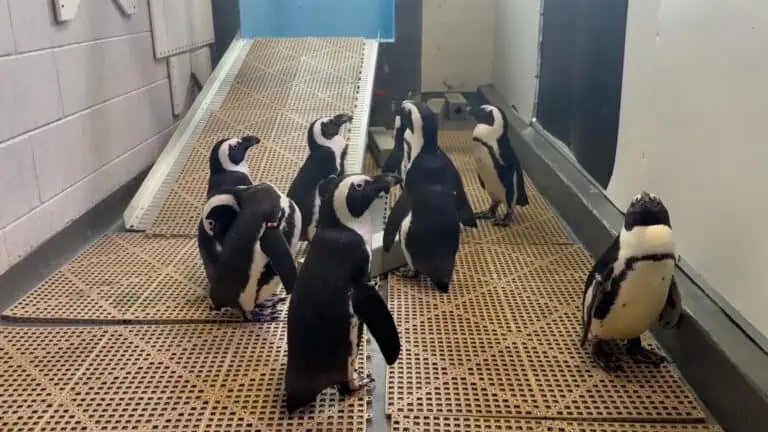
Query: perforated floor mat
x,y
503,344
281,86
170,378
409,423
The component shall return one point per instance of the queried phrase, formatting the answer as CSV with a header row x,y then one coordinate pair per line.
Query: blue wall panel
x,y
373,19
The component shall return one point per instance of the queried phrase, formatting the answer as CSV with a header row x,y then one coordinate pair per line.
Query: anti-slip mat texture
x,y
152,378
407,423
503,344
127,277
281,86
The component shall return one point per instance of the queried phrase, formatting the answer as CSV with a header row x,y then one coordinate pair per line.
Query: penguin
x,y
631,285
227,164
227,168
255,251
498,168
327,155
427,215
395,159
334,297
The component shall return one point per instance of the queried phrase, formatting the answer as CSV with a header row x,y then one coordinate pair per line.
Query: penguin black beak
x,y
250,141
342,119
386,181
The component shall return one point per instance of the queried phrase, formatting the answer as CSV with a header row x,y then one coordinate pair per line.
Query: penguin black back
x,y
332,290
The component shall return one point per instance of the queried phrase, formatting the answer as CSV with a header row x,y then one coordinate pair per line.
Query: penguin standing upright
x,y
426,215
227,169
254,251
631,285
498,168
327,154
333,293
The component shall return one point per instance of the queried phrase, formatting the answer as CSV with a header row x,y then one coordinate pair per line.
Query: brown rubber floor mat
x,y
170,378
407,423
282,85
126,277
503,344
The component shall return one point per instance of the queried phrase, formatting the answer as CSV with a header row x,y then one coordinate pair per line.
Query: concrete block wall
x,y
84,107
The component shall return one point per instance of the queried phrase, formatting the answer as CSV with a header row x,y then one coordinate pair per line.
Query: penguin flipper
x,y
373,311
599,286
466,214
396,216
673,308
276,249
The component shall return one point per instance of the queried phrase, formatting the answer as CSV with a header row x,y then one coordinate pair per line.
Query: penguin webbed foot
x,y
642,355
272,302
407,273
264,315
604,358
350,388
489,213
504,221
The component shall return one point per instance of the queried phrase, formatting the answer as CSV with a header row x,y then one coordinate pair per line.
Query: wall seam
x,y
81,112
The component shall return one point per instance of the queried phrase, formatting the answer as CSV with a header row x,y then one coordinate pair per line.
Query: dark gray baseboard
x,y
724,366
106,216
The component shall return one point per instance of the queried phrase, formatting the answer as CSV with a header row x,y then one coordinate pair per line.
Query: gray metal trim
x,y
724,366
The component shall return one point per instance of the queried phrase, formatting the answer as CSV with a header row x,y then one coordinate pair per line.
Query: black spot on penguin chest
x,y
609,298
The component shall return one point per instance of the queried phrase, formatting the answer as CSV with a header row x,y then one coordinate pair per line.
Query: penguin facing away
x,y
227,169
227,164
498,168
426,215
333,294
253,251
632,285
327,155
414,117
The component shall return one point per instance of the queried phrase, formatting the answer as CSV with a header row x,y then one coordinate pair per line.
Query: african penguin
x,y
413,121
498,168
227,168
333,293
327,154
259,247
631,285
426,215
227,164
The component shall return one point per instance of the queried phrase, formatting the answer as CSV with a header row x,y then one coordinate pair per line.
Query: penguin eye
x,y
358,185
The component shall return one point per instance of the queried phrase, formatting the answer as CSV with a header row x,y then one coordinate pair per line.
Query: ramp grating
x,y
280,87
500,350
170,378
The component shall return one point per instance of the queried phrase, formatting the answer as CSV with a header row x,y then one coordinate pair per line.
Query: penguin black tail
x,y
297,399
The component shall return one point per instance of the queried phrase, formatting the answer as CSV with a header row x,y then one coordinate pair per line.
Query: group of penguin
x,y
249,234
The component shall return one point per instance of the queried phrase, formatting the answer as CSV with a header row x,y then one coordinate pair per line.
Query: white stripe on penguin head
x,y
492,132
337,143
226,162
361,225
215,201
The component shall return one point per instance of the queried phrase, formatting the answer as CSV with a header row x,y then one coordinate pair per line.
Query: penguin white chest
x,y
487,171
247,297
640,300
404,227
315,212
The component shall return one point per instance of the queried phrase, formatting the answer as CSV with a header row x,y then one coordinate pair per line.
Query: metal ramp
x,y
499,352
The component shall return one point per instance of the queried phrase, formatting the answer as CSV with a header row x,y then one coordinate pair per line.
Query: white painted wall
x,y
692,129
457,44
84,107
516,53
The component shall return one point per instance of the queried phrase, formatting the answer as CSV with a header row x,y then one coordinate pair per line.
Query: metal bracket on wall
x,y
65,10
128,7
